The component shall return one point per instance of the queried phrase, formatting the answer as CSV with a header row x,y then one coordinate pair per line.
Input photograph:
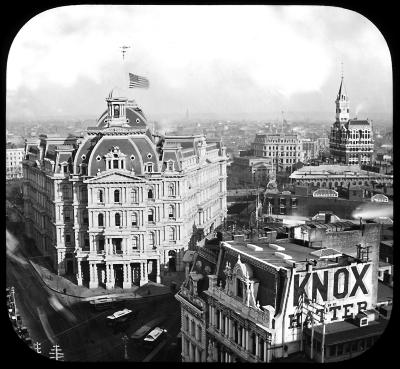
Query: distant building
x,y
335,175
248,171
310,149
285,149
351,140
116,205
14,157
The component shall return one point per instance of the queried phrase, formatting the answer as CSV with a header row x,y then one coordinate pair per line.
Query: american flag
x,y
138,81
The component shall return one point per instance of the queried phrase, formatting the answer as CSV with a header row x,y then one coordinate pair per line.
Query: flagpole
x,y
125,76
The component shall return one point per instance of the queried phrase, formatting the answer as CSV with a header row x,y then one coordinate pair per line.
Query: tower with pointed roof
x,y
350,140
342,104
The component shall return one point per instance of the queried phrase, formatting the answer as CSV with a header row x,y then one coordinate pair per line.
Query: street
x,y
82,333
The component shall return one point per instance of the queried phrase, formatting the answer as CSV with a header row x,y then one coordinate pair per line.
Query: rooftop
x,y
279,254
331,170
347,331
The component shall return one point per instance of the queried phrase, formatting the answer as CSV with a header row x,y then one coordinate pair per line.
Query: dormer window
x,y
171,165
115,159
83,169
148,167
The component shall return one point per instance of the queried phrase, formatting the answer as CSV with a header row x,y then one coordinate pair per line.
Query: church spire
x,y
342,103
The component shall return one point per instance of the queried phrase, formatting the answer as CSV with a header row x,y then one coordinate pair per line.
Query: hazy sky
x,y
223,60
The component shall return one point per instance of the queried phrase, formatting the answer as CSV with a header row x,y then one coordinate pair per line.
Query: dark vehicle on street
x,y
146,328
105,303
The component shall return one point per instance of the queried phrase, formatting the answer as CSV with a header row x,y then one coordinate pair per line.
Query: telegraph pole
x,y
56,353
38,347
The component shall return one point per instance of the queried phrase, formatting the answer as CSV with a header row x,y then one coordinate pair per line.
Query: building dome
x,y
379,198
325,192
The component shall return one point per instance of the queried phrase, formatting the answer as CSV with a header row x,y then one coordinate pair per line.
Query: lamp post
x,y
125,339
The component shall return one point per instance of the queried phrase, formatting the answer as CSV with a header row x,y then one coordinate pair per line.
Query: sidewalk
x,y
60,284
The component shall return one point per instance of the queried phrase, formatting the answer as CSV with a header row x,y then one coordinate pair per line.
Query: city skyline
x,y
213,67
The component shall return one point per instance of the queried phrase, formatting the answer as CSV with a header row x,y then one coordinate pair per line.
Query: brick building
x,y
262,300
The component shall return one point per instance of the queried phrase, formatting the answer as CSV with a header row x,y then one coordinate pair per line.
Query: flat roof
x,y
274,256
334,169
345,331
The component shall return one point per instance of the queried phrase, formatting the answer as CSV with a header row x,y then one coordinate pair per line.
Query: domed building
x,y
125,203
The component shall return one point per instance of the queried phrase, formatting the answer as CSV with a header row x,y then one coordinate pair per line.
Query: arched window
x,y
116,111
134,195
116,196
152,239
135,243
150,193
171,189
100,196
150,215
171,233
100,220
117,219
134,219
171,211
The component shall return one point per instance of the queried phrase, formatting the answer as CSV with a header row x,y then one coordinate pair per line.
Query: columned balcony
x,y
258,315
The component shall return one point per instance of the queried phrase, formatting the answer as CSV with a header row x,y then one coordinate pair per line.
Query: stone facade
x,y
118,204
14,159
283,149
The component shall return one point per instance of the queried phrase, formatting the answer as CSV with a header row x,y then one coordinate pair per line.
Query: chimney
x,y
328,217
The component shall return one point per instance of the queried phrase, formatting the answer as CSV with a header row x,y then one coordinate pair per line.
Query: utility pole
x,y
56,353
311,310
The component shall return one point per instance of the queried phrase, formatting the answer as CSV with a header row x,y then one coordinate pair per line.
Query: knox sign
x,y
344,290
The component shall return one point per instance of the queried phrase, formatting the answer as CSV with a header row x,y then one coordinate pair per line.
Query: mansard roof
x,y
358,124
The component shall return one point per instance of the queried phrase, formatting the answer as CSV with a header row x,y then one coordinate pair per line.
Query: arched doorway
x,y
172,261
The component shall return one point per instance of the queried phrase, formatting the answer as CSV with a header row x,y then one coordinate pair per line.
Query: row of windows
x,y
134,217
238,330
134,194
191,329
344,348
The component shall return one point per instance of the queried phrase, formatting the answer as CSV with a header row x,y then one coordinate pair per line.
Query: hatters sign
x,y
344,283
343,291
